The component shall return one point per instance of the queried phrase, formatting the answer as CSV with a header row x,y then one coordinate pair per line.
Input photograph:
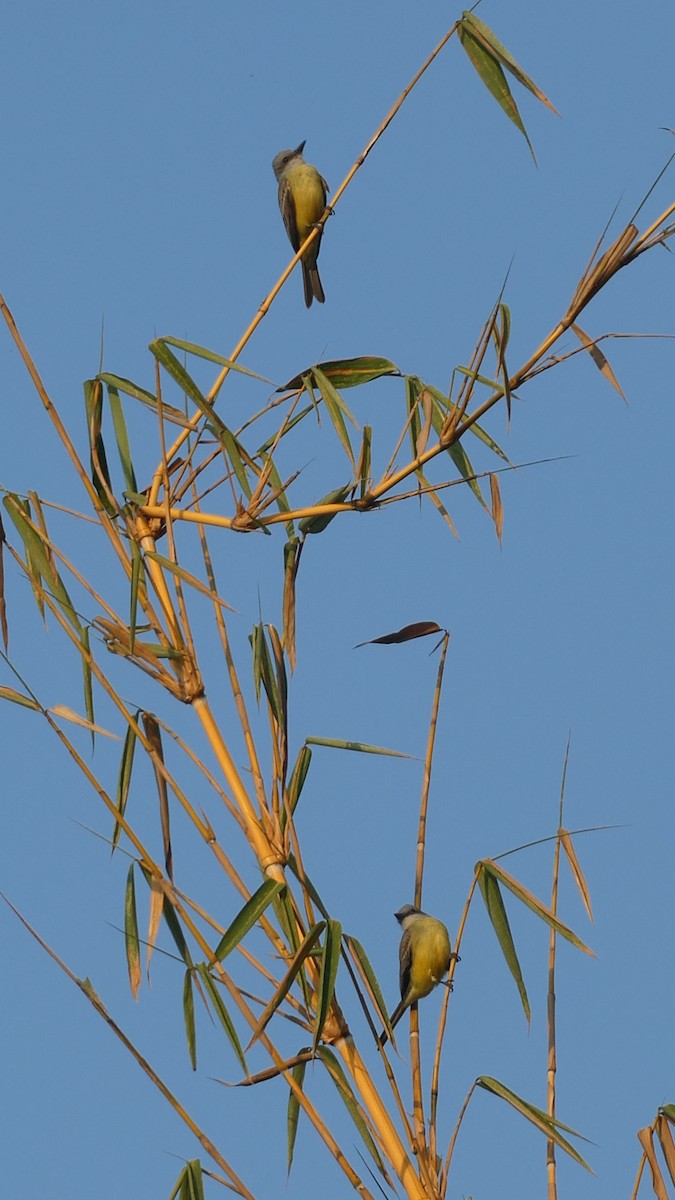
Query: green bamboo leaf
x,y
298,776
362,747
238,457
177,1192
295,420
330,961
194,1180
189,1018
100,475
413,390
535,905
352,372
34,576
169,914
307,884
39,558
471,373
484,34
356,1112
122,438
285,915
280,676
132,944
367,973
277,486
478,431
293,1113
128,388
87,683
247,917
497,913
257,640
188,578
540,1119
211,356
348,372
178,372
186,383
190,1184
490,72
302,954
363,469
215,996
318,524
337,410
444,404
263,672
461,460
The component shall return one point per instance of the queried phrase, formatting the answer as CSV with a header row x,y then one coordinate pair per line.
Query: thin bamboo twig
x,y
551,1173
453,1139
552,1068
60,428
86,988
443,1182
313,234
235,685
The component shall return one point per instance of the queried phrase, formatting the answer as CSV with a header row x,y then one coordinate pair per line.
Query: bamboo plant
x,y
220,482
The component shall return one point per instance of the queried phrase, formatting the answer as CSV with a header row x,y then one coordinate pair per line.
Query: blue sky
x,y
138,196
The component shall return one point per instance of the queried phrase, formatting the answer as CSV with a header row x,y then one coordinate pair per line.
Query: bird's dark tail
x,y
312,285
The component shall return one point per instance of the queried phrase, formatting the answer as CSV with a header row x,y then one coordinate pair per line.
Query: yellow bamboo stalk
x,y
389,1138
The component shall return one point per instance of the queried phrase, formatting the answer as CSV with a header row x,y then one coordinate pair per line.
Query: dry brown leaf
x,y
646,1140
497,507
154,736
599,359
579,878
292,552
3,608
67,714
156,909
667,1144
416,630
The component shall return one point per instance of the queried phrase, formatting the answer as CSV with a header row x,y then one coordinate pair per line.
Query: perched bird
x,y
424,957
302,201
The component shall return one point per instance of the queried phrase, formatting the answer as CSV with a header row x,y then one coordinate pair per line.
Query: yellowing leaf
x,y
497,506
646,1140
67,714
599,359
580,880
131,935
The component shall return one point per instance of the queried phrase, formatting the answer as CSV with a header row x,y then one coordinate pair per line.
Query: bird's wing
x,y
405,963
288,213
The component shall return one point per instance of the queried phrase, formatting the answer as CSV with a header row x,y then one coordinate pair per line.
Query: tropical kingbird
x,y
302,200
424,957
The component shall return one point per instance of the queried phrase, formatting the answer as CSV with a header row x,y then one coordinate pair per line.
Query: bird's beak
x,y
300,147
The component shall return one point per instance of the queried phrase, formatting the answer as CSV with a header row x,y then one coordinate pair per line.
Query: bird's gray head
x,y
282,159
408,910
